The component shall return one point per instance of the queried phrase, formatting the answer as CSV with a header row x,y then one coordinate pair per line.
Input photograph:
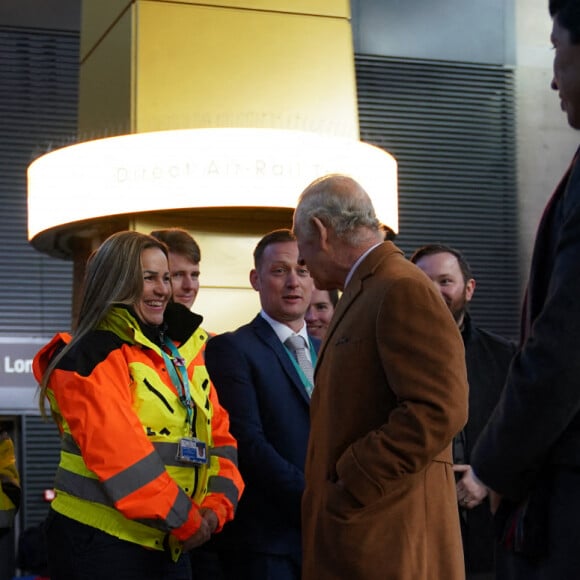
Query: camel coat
x,y
390,393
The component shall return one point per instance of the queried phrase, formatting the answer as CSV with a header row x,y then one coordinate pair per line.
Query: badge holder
x,y
192,450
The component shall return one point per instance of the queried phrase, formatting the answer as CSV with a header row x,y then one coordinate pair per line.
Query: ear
x,y
322,232
254,279
469,289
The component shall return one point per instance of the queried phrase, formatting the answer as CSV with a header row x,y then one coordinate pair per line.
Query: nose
x,y
163,287
292,280
309,315
187,283
554,84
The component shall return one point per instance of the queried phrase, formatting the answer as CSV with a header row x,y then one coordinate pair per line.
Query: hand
x,y
470,491
211,518
200,537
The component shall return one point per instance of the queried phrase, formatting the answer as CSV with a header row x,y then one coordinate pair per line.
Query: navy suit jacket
x,y
269,409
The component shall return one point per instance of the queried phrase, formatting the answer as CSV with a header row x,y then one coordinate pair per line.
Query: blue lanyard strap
x,y
175,364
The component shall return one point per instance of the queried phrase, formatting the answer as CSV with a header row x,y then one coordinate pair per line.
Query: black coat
x,y
487,357
529,452
536,425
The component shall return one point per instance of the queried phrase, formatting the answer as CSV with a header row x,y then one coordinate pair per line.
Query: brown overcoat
x,y
390,394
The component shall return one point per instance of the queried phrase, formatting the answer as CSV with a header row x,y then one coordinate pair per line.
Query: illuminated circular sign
x,y
198,168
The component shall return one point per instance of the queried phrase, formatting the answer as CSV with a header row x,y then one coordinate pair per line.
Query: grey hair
x,y
340,203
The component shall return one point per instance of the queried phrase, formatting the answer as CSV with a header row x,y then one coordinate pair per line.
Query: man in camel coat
x,y
390,393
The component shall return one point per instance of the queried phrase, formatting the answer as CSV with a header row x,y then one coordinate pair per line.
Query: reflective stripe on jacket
x,y
121,421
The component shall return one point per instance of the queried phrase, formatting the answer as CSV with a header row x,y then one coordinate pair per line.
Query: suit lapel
x,y
268,337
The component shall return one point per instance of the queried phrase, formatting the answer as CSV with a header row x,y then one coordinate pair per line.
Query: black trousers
x,y
80,552
248,565
7,551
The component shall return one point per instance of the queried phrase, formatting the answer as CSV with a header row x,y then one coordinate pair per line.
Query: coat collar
x,y
365,270
179,323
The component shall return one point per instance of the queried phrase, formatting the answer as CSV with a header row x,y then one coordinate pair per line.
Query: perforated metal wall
x,y
38,104
451,127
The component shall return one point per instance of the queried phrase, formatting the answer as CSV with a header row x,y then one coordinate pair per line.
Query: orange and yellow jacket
x,y
8,476
121,419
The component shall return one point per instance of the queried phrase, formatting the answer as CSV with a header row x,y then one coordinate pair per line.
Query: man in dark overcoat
x,y
529,452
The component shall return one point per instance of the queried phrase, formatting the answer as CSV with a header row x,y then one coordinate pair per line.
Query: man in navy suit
x,y
529,452
266,393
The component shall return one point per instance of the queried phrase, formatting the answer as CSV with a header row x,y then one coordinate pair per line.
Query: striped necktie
x,y
297,346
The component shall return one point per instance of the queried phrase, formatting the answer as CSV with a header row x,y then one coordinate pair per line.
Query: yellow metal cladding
x,y
150,65
98,17
338,8
154,65
107,88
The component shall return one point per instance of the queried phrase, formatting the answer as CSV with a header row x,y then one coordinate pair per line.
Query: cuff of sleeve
x,y
191,525
223,512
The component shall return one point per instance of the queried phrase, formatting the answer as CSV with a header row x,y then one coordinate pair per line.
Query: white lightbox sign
x,y
199,168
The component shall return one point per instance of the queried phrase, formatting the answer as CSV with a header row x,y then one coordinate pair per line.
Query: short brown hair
x,y
275,237
181,242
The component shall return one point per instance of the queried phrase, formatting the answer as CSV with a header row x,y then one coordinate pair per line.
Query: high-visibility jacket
x,y
121,420
8,477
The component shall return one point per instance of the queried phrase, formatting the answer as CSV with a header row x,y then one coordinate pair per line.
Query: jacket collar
x,y
365,270
179,323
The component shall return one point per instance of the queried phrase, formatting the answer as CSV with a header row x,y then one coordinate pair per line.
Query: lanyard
x,y
175,364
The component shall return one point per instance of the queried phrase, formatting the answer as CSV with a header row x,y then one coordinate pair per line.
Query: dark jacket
x,y
269,416
536,425
487,357
532,440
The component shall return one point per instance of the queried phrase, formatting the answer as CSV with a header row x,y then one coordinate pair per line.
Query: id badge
x,y
192,450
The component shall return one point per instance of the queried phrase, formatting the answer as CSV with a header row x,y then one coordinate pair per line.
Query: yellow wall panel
x,y
335,8
220,266
106,85
97,17
225,309
158,64
201,66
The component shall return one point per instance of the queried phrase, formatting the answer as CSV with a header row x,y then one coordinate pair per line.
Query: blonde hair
x,y
113,276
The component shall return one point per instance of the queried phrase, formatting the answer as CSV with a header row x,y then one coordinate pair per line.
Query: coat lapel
x,y
351,293
545,249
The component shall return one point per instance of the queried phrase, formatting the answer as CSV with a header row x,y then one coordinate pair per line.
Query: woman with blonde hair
x,y
148,467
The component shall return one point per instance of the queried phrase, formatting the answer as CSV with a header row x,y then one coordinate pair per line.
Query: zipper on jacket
x,y
196,480
158,394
